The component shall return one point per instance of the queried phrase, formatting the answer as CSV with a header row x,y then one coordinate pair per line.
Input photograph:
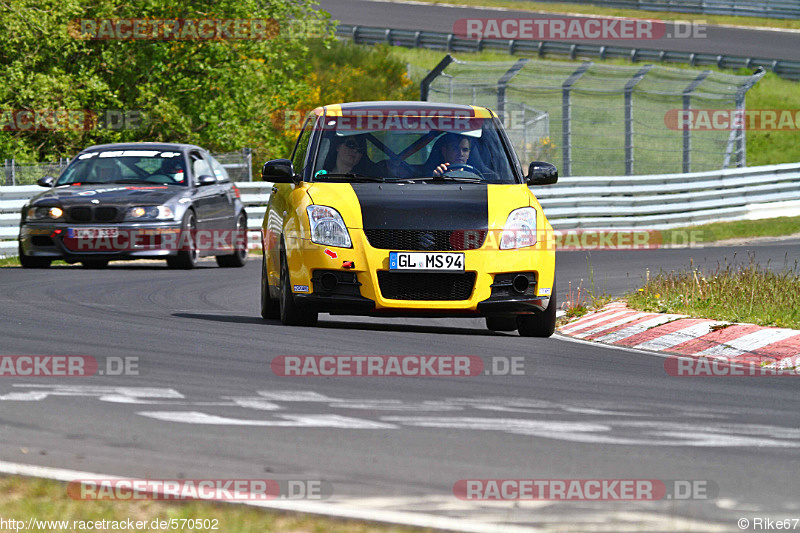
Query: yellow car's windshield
x,y
416,149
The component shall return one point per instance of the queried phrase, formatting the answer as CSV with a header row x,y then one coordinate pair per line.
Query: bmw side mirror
x,y
279,171
46,181
205,179
541,173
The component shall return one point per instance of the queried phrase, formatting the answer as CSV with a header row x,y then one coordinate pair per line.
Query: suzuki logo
x,y
427,240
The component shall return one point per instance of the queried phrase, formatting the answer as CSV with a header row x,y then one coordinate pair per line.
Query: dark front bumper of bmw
x,y
122,241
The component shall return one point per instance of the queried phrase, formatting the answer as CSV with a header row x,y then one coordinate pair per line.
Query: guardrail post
x,y
247,155
629,117
6,172
741,107
425,84
687,133
502,83
566,110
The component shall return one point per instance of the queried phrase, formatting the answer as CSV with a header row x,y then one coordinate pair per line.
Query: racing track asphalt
x,y
581,411
734,41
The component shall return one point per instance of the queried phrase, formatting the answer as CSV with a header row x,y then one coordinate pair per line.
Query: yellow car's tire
x,y
270,308
540,324
291,313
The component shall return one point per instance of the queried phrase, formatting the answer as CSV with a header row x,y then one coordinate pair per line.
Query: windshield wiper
x,y
81,183
351,175
132,180
457,179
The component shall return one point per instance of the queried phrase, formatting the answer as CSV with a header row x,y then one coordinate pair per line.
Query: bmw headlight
x,y
150,212
327,226
520,229
44,213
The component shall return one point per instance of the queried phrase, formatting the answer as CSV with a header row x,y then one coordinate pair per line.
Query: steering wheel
x,y
463,166
159,178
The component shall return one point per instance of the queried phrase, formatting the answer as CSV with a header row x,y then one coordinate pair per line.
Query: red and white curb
x,y
618,325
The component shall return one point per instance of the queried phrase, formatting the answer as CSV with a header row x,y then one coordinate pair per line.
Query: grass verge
x,y
24,498
741,229
746,293
554,7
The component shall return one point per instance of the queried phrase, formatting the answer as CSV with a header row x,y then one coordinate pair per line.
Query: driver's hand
x,y
441,169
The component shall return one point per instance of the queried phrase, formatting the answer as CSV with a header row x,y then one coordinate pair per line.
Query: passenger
x,y
349,152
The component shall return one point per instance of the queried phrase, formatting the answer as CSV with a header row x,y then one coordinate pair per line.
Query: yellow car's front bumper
x,y
358,280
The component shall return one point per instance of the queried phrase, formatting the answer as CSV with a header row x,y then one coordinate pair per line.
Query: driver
x,y
455,150
174,169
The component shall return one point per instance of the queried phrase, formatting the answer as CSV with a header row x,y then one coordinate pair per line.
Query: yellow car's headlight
x,y
327,227
520,229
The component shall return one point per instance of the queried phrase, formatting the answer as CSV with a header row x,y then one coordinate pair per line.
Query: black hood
x,y
423,206
115,194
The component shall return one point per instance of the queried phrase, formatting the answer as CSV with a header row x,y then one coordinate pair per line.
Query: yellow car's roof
x,y
430,109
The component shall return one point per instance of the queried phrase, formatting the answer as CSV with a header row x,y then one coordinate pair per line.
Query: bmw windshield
x,y
126,166
396,148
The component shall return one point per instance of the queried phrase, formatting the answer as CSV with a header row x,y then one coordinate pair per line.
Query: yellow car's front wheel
x,y
539,324
291,313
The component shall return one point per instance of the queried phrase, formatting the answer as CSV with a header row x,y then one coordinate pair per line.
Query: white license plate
x,y
430,261
92,233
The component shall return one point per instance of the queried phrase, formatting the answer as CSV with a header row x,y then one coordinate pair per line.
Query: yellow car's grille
x,y
426,286
425,240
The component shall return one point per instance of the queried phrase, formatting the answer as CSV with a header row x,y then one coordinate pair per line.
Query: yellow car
x,y
407,209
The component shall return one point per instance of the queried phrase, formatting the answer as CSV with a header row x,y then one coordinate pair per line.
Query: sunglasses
x,y
354,146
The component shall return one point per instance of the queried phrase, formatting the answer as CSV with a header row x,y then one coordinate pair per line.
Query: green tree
x,y
215,93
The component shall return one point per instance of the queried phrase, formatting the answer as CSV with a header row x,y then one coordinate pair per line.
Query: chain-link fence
x,y
598,119
238,164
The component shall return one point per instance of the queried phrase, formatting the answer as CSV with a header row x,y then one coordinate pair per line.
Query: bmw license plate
x,y
426,261
92,233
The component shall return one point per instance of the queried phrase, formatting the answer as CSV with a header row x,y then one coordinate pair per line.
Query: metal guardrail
x,y
779,9
452,43
654,202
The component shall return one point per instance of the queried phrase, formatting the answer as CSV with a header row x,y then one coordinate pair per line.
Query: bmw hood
x,y
109,194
